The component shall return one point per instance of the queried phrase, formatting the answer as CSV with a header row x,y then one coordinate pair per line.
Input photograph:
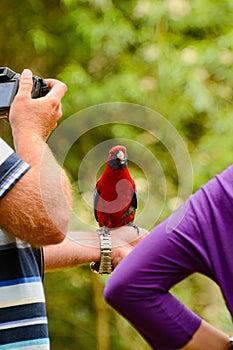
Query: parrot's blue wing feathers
x,y
135,199
96,196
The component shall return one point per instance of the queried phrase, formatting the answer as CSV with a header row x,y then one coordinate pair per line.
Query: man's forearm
x,y
72,252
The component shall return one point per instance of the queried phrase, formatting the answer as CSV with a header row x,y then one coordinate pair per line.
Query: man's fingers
x,y
57,88
25,83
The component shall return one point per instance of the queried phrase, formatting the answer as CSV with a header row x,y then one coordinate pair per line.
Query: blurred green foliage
x,y
172,56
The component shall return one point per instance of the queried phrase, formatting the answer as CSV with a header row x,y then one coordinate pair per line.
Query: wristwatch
x,y
104,267
231,342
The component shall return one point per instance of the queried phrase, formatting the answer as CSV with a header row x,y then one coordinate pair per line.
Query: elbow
x,y
113,293
54,231
55,221
45,230
43,235
108,295
55,237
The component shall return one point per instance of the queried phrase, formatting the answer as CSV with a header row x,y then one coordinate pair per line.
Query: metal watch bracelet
x,y
230,343
104,267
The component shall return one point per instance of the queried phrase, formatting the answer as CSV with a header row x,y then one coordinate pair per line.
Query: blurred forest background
x,y
174,57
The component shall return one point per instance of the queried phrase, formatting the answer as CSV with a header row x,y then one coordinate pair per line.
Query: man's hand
x,y
36,116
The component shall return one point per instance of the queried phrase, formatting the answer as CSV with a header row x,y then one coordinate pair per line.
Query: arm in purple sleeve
x,y
194,239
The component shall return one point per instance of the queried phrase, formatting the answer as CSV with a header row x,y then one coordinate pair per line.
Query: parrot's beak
x,y
120,155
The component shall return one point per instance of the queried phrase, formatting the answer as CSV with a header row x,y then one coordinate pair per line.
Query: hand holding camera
x,y
9,83
36,106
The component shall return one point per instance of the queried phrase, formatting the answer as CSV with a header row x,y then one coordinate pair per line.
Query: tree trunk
x,y
102,315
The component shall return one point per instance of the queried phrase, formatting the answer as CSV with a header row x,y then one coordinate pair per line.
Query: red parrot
x,y
115,195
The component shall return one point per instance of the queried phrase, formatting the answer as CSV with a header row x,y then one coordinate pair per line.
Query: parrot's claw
x,y
103,229
132,224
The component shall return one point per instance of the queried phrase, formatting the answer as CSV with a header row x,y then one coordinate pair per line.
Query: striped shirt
x,y
23,320
11,168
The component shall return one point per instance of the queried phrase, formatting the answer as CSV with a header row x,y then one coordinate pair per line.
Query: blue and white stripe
x,y
24,322
38,344
12,168
21,293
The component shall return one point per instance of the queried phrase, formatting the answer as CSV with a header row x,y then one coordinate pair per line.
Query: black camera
x,y
9,82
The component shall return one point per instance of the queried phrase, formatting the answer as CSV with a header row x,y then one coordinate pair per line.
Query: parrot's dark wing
x,y
135,199
96,196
